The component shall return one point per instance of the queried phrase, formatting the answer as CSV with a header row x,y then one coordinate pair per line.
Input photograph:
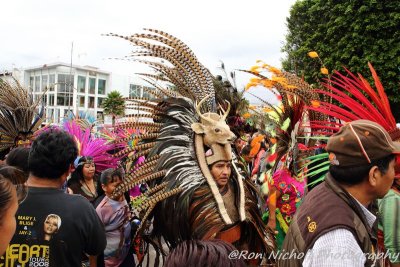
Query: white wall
x,y
121,83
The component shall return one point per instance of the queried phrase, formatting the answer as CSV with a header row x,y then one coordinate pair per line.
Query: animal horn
x,y
199,112
227,110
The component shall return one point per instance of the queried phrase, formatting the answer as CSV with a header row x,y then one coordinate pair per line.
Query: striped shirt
x,y
338,248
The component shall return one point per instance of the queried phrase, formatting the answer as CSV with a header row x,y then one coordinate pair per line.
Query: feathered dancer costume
x,y
358,100
20,115
285,181
290,119
190,205
99,149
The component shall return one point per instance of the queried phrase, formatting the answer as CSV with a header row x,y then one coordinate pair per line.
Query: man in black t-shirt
x,y
53,228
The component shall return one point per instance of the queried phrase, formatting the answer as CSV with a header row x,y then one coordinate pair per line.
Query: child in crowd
x,y
114,213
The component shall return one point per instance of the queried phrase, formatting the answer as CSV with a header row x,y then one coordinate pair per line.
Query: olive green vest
x,y
324,209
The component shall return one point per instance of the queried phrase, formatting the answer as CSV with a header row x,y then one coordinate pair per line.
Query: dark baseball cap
x,y
359,143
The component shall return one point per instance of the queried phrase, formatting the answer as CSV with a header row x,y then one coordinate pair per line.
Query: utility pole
x,y
70,83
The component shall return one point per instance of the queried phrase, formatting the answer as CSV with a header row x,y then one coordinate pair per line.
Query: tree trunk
x,y
113,121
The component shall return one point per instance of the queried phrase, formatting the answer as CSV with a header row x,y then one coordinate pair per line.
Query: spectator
x,y
12,192
389,225
83,180
50,162
114,213
8,208
18,157
3,155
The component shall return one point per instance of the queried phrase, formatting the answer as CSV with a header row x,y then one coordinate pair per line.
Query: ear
x,y
198,128
373,175
103,187
65,175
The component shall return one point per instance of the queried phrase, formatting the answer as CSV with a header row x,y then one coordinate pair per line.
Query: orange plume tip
x,y
315,103
324,71
313,54
246,115
255,69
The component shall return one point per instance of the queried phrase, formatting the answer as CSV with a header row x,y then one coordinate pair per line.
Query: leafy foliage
x,y
114,105
346,33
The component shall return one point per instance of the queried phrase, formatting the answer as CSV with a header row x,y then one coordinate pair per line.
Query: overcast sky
x,y
34,33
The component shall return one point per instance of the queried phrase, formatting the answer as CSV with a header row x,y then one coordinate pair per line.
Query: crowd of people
x,y
197,191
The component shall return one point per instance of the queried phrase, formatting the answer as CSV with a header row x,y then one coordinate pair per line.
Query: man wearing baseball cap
x,y
334,225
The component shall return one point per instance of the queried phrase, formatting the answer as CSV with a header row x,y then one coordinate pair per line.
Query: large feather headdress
x,y
100,149
183,198
289,118
20,115
355,99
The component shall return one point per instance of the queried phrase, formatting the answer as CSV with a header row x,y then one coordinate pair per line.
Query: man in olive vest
x,y
334,225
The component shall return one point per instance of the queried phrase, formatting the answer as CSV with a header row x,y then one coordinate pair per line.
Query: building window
x,y
91,102
92,85
101,87
134,91
81,84
100,102
56,115
51,100
31,80
50,113
81,102
52,81
146,90
65,83
64,100
44,99
44,82
37,84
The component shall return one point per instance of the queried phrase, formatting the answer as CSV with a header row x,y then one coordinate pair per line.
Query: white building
x,y
130,86
74,89
65,88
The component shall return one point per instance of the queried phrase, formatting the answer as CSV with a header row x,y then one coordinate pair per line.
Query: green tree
x,y
114,105
346,34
